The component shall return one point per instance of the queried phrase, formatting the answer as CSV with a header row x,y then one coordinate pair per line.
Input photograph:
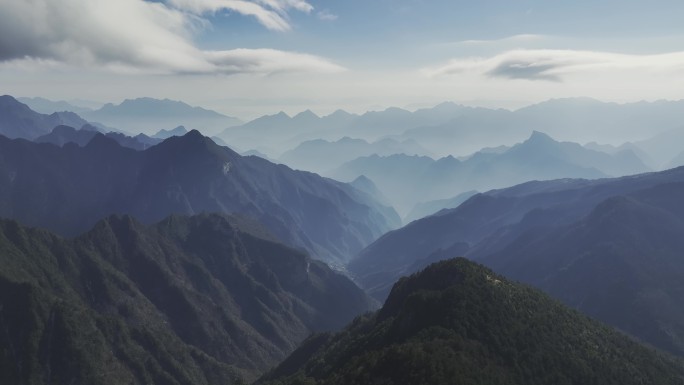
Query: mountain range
x,y
62,135
457,322
17,120
452,129
68,189
321,156
409,180
209,299
446,129
148,116
46,106
607,247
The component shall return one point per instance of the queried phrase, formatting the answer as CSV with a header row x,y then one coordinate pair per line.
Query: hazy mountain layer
x,y
17,120
321,156
199,300
425,209
409,180
458,323
46,106
148,115
451,129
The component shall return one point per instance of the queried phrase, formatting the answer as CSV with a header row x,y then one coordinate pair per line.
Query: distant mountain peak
x,y
194,135
178,131
363,181
8,98
9,101
102,142
307,114
538,138
339,113
538,135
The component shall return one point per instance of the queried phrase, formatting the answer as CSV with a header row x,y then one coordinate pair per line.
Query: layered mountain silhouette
x,y
62,135
165,134
608,247
457,322
67,189
209,299
17,120
274,134
663,148
321,156
46,106
408,180
148,115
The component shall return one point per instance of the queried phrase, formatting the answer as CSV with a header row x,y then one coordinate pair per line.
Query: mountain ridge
x,y
189,300
184,175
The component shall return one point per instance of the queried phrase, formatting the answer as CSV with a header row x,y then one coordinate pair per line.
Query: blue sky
x,y
250,57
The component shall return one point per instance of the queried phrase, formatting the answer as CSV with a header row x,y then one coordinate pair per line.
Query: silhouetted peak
x,y
9,102
306,115
194,135
339,114
538,135
363,182
448,160
194,143
7,99
101,142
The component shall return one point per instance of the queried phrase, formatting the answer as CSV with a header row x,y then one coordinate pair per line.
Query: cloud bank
x,y
554,65
136,36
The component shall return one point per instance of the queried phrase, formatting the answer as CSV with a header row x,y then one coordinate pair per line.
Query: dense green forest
x,y
457,322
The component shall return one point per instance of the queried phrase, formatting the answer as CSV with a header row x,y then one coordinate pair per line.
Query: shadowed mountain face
x,y
190,300
457,322
611,248
17,120
68,189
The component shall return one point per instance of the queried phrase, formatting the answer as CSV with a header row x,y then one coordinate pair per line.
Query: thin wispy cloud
x,y
514,39
135,36
273,14
555,65
326,15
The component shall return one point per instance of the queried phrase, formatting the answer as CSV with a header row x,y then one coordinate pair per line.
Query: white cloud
x,y
273,14
135,36
554,65
326,15
267,61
